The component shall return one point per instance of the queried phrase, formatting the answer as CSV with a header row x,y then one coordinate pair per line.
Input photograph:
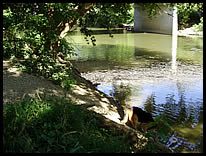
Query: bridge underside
x,y
163,23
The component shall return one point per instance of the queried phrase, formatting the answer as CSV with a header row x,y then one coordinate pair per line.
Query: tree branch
x,y
67,26
162,10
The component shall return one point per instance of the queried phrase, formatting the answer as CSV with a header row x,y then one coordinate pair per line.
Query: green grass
x,y
57,125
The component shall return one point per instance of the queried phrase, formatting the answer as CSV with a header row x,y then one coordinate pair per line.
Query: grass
x,y
55,124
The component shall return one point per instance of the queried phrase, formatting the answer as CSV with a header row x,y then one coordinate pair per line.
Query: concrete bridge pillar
x,y
162,23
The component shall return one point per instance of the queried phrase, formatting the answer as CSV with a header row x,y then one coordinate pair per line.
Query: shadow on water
x,y
185,115
140,69
157,90
114,57
102,31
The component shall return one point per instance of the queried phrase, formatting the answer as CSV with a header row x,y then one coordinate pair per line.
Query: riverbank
x,y
190,32
17,85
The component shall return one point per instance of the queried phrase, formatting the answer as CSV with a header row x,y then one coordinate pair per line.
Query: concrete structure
x,y
163,23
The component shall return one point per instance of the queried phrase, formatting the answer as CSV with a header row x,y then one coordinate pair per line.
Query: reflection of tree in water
x,y
122,94
181,111
149,105
182,114
186,113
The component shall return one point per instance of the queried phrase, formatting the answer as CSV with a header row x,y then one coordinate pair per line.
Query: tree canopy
x,y
35,32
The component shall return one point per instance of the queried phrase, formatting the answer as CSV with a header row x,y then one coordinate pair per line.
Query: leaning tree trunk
x,y
65,26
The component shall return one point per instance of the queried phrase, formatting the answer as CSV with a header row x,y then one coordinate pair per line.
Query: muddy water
x,y
139,69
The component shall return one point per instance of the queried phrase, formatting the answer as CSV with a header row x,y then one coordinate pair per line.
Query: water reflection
x,y
174,52
159,73
174,39
185,115
179,109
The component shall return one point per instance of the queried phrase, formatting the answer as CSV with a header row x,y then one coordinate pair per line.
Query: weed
x,y
57,126
161,132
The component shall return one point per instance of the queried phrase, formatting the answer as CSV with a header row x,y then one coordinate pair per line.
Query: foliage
x,y
199,27
109,15
34,30
60,75
189,14
30,34
55,124
88,33
151,8
34,33
162,129
106,15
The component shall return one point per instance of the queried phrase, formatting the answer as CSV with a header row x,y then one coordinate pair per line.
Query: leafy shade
x,y
35,32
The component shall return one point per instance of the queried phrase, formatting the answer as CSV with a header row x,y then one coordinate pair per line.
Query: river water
x,y
141,69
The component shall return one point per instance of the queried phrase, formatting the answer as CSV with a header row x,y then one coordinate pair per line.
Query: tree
x,y
108,15
188,13
47,22
50,22
36,31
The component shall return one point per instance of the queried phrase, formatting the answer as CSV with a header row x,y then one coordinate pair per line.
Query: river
x,y
141,69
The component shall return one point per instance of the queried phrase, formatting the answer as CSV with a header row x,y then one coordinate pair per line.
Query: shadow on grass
x,y
55,124
16,84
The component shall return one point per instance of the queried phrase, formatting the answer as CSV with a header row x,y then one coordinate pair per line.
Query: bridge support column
x,y
162,23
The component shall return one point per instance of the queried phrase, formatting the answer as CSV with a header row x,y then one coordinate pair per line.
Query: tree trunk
x,y
65,26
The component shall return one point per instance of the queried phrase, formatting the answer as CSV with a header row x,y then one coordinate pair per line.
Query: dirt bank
x,y
16,84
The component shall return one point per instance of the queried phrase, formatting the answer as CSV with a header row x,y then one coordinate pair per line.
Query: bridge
x,y
164,23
